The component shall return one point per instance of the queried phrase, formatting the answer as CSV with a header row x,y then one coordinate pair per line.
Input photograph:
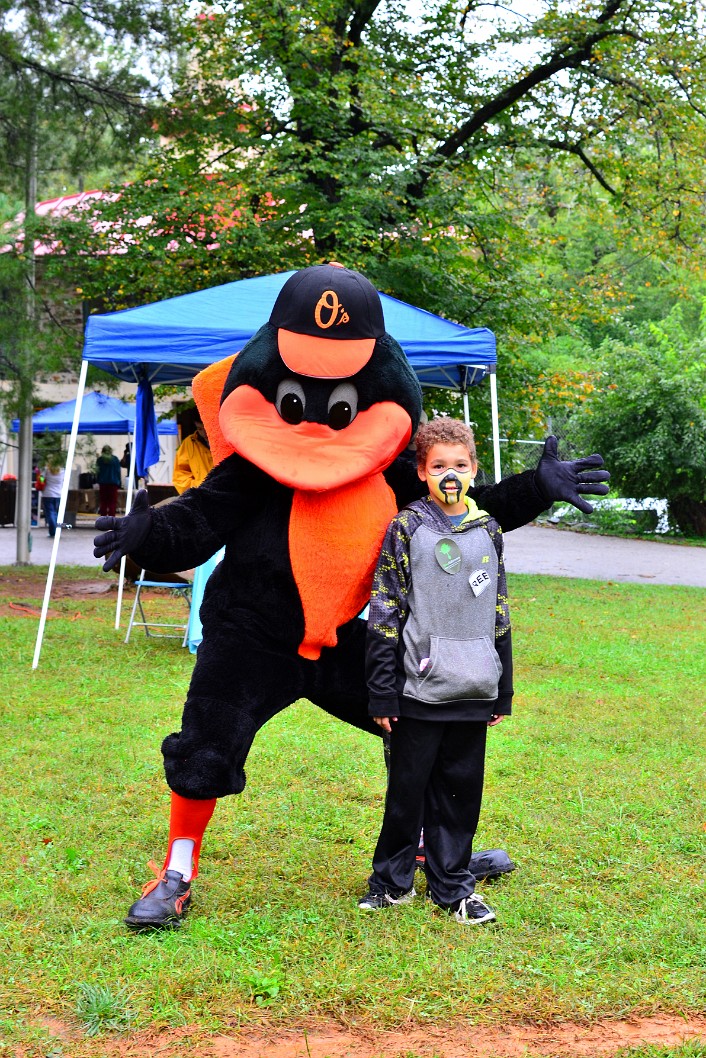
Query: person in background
x,y
193,460
125,464
50,482
109,480
37,474
192,464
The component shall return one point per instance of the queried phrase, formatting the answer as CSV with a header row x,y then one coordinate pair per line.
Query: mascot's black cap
x,y
328,319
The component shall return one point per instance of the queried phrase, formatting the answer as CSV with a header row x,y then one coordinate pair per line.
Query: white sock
x,y
181,857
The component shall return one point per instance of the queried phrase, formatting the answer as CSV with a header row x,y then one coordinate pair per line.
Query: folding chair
x,y
181,588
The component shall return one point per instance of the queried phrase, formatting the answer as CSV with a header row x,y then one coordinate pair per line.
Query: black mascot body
x,y
309,426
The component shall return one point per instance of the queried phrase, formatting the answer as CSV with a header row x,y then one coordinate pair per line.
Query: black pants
x,y
436,777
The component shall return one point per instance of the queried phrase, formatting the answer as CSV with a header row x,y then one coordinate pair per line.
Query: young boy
x,y
439,672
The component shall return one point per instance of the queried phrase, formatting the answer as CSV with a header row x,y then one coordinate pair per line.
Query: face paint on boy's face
x,y
449,486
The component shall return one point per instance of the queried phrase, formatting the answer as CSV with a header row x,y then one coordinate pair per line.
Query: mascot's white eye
x,y
290,402
342,406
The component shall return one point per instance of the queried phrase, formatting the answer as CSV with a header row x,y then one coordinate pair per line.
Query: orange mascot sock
x,y
188,819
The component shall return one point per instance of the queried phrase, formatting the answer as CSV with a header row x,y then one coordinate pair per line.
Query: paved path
x,y
75,547
561,553
532,549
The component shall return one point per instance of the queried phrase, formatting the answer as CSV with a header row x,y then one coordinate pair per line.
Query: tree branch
x,y
472,5
557,62
688,95
361,17
93,90
639,95
577,149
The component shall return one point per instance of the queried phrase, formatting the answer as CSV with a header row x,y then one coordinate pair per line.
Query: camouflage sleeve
x,y
502,614
388,612
503,634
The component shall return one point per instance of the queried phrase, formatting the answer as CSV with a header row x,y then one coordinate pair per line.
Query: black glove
x,y
126,534
558,480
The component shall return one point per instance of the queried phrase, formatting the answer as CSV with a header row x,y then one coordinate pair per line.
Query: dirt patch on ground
x,y
84,588
22,596
456,1040
32,587
459,1041
14,586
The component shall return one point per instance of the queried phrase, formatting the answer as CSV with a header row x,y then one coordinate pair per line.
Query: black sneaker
x,y
375,901
472,911
163,903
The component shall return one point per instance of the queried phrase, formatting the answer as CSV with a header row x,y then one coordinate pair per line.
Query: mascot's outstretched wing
x,y
570,480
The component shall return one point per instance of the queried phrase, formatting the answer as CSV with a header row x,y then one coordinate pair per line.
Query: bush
x,y
648,422
609,519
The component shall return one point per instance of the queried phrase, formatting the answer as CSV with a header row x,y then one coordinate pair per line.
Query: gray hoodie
x,y
439,642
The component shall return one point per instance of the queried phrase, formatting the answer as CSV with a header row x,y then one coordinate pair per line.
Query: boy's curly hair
x,y
443,431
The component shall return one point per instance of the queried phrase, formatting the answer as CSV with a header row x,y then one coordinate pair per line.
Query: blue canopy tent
x,y
168,342
100,414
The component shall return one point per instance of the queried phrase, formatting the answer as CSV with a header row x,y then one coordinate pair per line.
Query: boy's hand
x,y
496,719
384,722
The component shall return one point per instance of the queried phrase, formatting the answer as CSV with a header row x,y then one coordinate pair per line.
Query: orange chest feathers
x,y
334,543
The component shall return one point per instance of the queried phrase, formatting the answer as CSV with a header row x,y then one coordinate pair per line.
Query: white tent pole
x,y
62,510
128,505
496,425
467,415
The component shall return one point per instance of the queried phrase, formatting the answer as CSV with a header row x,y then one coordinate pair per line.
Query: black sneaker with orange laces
x,y
163,903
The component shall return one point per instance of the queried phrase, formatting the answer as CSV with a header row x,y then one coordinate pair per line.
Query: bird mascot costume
x,y
309,426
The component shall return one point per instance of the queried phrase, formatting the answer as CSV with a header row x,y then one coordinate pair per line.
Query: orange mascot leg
x,y
189,819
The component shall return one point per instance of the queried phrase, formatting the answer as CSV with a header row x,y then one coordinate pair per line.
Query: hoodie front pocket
x,y
458,669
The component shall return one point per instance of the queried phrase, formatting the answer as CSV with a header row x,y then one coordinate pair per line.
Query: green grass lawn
x,y
595,787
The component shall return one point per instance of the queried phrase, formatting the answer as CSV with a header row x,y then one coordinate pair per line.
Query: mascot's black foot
x,y
163,903
485,866
489,864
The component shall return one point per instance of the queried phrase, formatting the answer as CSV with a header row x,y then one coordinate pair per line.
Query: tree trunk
x,y
24,471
